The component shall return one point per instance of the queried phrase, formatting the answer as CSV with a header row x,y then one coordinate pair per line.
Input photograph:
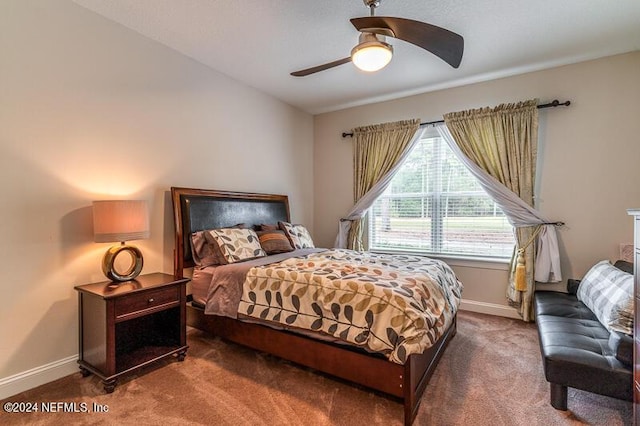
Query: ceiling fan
x,y
373,53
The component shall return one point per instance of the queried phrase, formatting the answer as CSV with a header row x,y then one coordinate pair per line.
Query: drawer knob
x,y
151,300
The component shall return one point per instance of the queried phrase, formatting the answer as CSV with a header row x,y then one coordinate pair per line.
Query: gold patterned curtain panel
x,y
377,151
503,142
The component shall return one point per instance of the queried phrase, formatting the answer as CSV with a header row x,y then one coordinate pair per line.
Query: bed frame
x,y
200,209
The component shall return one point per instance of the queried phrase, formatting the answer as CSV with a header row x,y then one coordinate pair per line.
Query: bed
x,y
402,372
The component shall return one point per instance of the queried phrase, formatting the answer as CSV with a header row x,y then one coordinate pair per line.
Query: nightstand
x,y
125,326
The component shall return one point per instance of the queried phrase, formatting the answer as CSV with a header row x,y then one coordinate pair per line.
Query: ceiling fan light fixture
x,y
371,54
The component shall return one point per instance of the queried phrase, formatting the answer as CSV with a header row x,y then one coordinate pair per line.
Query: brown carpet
x,y
490,374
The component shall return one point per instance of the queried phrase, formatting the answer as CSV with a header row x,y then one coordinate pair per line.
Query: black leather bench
x,y
578,351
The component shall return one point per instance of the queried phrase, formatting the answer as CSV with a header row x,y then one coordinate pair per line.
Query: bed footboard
x,y
419,369
406,382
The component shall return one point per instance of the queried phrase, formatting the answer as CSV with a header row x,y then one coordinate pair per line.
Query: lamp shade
x,y
372,53
120,220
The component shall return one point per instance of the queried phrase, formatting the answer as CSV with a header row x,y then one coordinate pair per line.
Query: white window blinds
x,y
435,206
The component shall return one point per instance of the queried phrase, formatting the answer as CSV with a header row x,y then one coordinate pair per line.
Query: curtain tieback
x,y
521,272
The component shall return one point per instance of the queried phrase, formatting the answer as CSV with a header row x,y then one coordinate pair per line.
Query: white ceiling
x,y
259,42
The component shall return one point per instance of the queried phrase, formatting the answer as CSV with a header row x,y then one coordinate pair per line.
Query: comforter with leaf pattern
x,y
392,304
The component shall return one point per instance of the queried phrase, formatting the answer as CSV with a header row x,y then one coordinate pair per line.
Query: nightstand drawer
x,y
143,302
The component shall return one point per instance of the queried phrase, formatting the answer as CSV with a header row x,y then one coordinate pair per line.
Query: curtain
x,y
547,262
378,152
499,146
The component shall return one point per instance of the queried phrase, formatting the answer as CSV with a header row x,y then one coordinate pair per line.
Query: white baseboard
x,y
29,379
489,308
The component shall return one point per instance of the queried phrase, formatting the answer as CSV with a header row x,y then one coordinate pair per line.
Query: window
x,y
435,206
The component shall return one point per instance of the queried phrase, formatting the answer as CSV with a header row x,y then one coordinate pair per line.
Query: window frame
x,y
470,260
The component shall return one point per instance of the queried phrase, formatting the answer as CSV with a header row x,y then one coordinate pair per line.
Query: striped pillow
x,y
608,292
274,242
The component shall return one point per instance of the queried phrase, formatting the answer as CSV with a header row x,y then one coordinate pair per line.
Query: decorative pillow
x,y
203,253
622,317
297,234
237,244
608,292
274,242
205,250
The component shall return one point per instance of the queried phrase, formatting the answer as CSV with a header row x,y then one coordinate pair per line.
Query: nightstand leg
x,y
84,372
181,355
109,385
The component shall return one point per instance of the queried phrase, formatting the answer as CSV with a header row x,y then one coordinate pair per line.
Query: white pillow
x,y
608,293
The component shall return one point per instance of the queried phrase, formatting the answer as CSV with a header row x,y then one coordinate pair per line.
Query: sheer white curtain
x,y
519,213
362,205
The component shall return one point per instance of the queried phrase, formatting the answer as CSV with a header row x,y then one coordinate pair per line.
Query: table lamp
x,y
121,220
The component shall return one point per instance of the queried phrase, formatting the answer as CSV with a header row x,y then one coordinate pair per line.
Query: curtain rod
x,y
552,104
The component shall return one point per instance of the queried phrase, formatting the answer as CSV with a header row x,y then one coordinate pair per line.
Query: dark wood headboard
x,y
199,209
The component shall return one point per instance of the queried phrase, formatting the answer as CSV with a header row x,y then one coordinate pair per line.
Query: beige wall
x,y
589,153
90,110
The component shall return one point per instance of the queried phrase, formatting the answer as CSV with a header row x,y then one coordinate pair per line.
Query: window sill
x,y
500,264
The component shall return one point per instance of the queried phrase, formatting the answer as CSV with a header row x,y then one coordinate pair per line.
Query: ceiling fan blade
x,y
322,67
443,43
